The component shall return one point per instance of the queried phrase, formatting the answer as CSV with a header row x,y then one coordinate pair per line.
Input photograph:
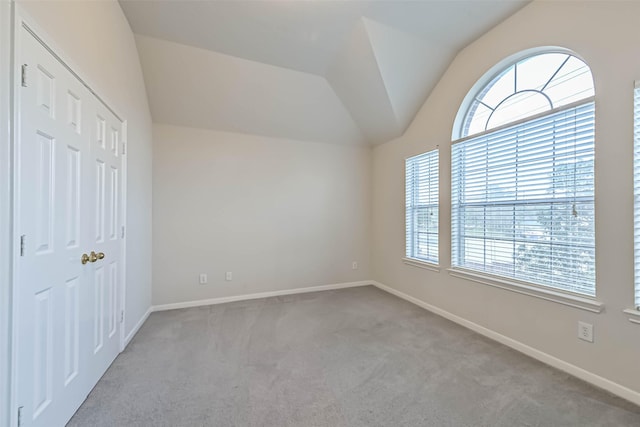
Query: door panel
x,y
45,205
72,213
112,300
71,330
43,351
113,203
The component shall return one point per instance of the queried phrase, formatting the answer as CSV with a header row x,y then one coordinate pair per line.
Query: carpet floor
x,y
350,357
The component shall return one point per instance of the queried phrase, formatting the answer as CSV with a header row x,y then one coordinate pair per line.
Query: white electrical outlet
x,y
203,278
354,265
585,331
229,276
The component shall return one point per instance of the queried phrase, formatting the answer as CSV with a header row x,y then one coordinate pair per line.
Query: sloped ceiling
x,y
346,72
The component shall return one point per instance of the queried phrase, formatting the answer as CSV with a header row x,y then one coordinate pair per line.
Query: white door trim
x,y
123,241
6,227
11,37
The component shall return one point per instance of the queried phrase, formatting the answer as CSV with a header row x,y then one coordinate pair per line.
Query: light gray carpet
x,y
353,357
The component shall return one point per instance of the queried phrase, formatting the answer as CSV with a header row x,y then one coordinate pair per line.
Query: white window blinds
x,y
636,192
523,201
422,207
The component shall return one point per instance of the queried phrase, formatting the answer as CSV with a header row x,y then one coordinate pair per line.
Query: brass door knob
x,y
92,257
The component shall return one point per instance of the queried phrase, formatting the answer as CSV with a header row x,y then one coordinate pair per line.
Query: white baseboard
x,y
137,327
596,380
222,300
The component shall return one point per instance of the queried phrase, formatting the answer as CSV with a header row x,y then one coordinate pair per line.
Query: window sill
x,y
574,301
634,315
421,264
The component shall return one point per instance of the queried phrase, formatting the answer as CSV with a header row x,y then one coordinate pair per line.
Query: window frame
x,y
493,72
586,302
636,198
430,159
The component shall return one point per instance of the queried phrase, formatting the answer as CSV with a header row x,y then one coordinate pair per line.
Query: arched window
x,y
523,176
531,86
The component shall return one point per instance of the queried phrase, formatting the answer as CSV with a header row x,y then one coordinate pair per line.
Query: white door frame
x,y
6,179
11,119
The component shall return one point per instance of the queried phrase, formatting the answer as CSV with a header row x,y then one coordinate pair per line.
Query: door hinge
x,y
122,232
124,148
23,239
20,415
24,75
121,316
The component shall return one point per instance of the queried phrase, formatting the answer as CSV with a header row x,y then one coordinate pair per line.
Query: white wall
x,y
96,37
606,35
278,213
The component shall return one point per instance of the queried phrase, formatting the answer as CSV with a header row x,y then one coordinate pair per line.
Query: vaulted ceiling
x,y
347,72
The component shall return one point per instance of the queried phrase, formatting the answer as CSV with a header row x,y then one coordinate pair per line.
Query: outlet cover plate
x,y
585,331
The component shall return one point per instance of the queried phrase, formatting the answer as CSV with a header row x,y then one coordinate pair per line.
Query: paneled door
x,y
69,205
104,220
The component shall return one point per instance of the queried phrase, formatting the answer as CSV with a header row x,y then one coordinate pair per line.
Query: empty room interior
x,y
319,213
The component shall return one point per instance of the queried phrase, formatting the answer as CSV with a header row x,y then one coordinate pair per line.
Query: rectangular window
x,y
523,201
636,192
422,207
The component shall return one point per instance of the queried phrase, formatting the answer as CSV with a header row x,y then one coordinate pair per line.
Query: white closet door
x,y
104,220
69,203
